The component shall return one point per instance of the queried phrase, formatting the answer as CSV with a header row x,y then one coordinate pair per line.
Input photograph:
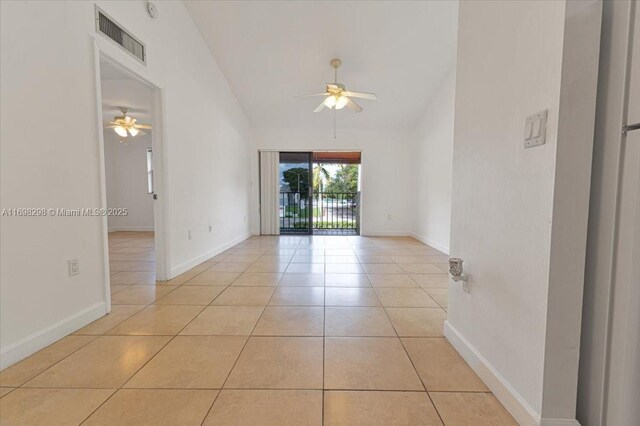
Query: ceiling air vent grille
x,y
108,27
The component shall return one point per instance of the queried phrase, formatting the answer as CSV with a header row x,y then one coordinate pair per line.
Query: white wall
x,y
126,173
387,184
47,163
519,216
433,167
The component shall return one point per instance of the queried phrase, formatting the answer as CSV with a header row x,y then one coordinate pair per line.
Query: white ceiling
x,y
120,90
271,51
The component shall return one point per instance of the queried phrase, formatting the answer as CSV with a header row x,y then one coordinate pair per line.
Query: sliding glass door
x,y
296,200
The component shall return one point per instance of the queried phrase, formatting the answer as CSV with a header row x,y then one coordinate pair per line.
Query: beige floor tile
x,y
440,295
154,407
350,297
4,391
257,279
382,268
373,363
186,362
302,280
141,294
305,258
118,314
21,372
341,259
440,367
213,278
379,409
471,409
375,259
417,322
431,280
131,277
420,268
391,280
268,267
225,266
410,259
344,268
347,280
267,407
157,320
242,258
191,295
357,321
31,407
443,267
279,363
275,258
142,267
244,296
117,288
291,321
298,296
305,268
107,362
224,320
405,298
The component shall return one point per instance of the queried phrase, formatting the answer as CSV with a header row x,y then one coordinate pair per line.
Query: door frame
x,y
106,52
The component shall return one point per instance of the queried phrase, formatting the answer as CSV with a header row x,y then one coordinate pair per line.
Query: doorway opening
x,y
319,193
130,145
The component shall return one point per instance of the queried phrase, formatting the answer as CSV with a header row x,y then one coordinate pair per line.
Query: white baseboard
x,y
431,243
131,228
559,422
32,343
521,411
184,267
385,234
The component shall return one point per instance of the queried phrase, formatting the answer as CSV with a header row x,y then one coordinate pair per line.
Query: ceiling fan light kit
x,y
336,95
126,126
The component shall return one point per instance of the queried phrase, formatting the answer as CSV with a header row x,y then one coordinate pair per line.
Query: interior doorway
x,y
319,193
131,153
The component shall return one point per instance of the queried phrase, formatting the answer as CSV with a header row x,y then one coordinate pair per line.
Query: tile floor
x,y
334,330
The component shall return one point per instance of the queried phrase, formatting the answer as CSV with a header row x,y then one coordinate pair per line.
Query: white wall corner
x,y
522,412
184,267
32,343
434,244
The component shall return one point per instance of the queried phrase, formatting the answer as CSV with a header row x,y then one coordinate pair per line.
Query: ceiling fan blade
x,y
361,95
353,106
310,95
112,126
320,107
142,126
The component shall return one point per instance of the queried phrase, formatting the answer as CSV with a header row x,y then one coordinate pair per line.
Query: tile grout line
x,y
222,387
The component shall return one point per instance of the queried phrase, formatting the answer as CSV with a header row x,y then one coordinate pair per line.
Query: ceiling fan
x,y
125,125
337,96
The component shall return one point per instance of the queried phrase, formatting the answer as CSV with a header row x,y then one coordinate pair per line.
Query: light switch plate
x,y
535,129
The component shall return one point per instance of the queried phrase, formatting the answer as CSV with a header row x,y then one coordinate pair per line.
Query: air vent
x,y
114,31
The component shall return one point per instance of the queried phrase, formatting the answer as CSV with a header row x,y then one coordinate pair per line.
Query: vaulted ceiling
x,y
271,51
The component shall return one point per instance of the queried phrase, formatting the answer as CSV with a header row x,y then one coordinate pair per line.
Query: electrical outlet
x,y
188,234
244,218
388,217
74,267
210,228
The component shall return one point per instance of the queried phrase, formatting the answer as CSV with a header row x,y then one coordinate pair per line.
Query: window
x,y
149,171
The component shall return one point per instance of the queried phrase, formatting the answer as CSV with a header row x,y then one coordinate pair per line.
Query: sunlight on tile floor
x,y
334,330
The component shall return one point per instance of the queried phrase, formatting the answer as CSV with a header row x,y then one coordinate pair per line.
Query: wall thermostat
x,y
152,10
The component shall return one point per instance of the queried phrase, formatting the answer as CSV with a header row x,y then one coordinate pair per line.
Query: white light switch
x,y
535,129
